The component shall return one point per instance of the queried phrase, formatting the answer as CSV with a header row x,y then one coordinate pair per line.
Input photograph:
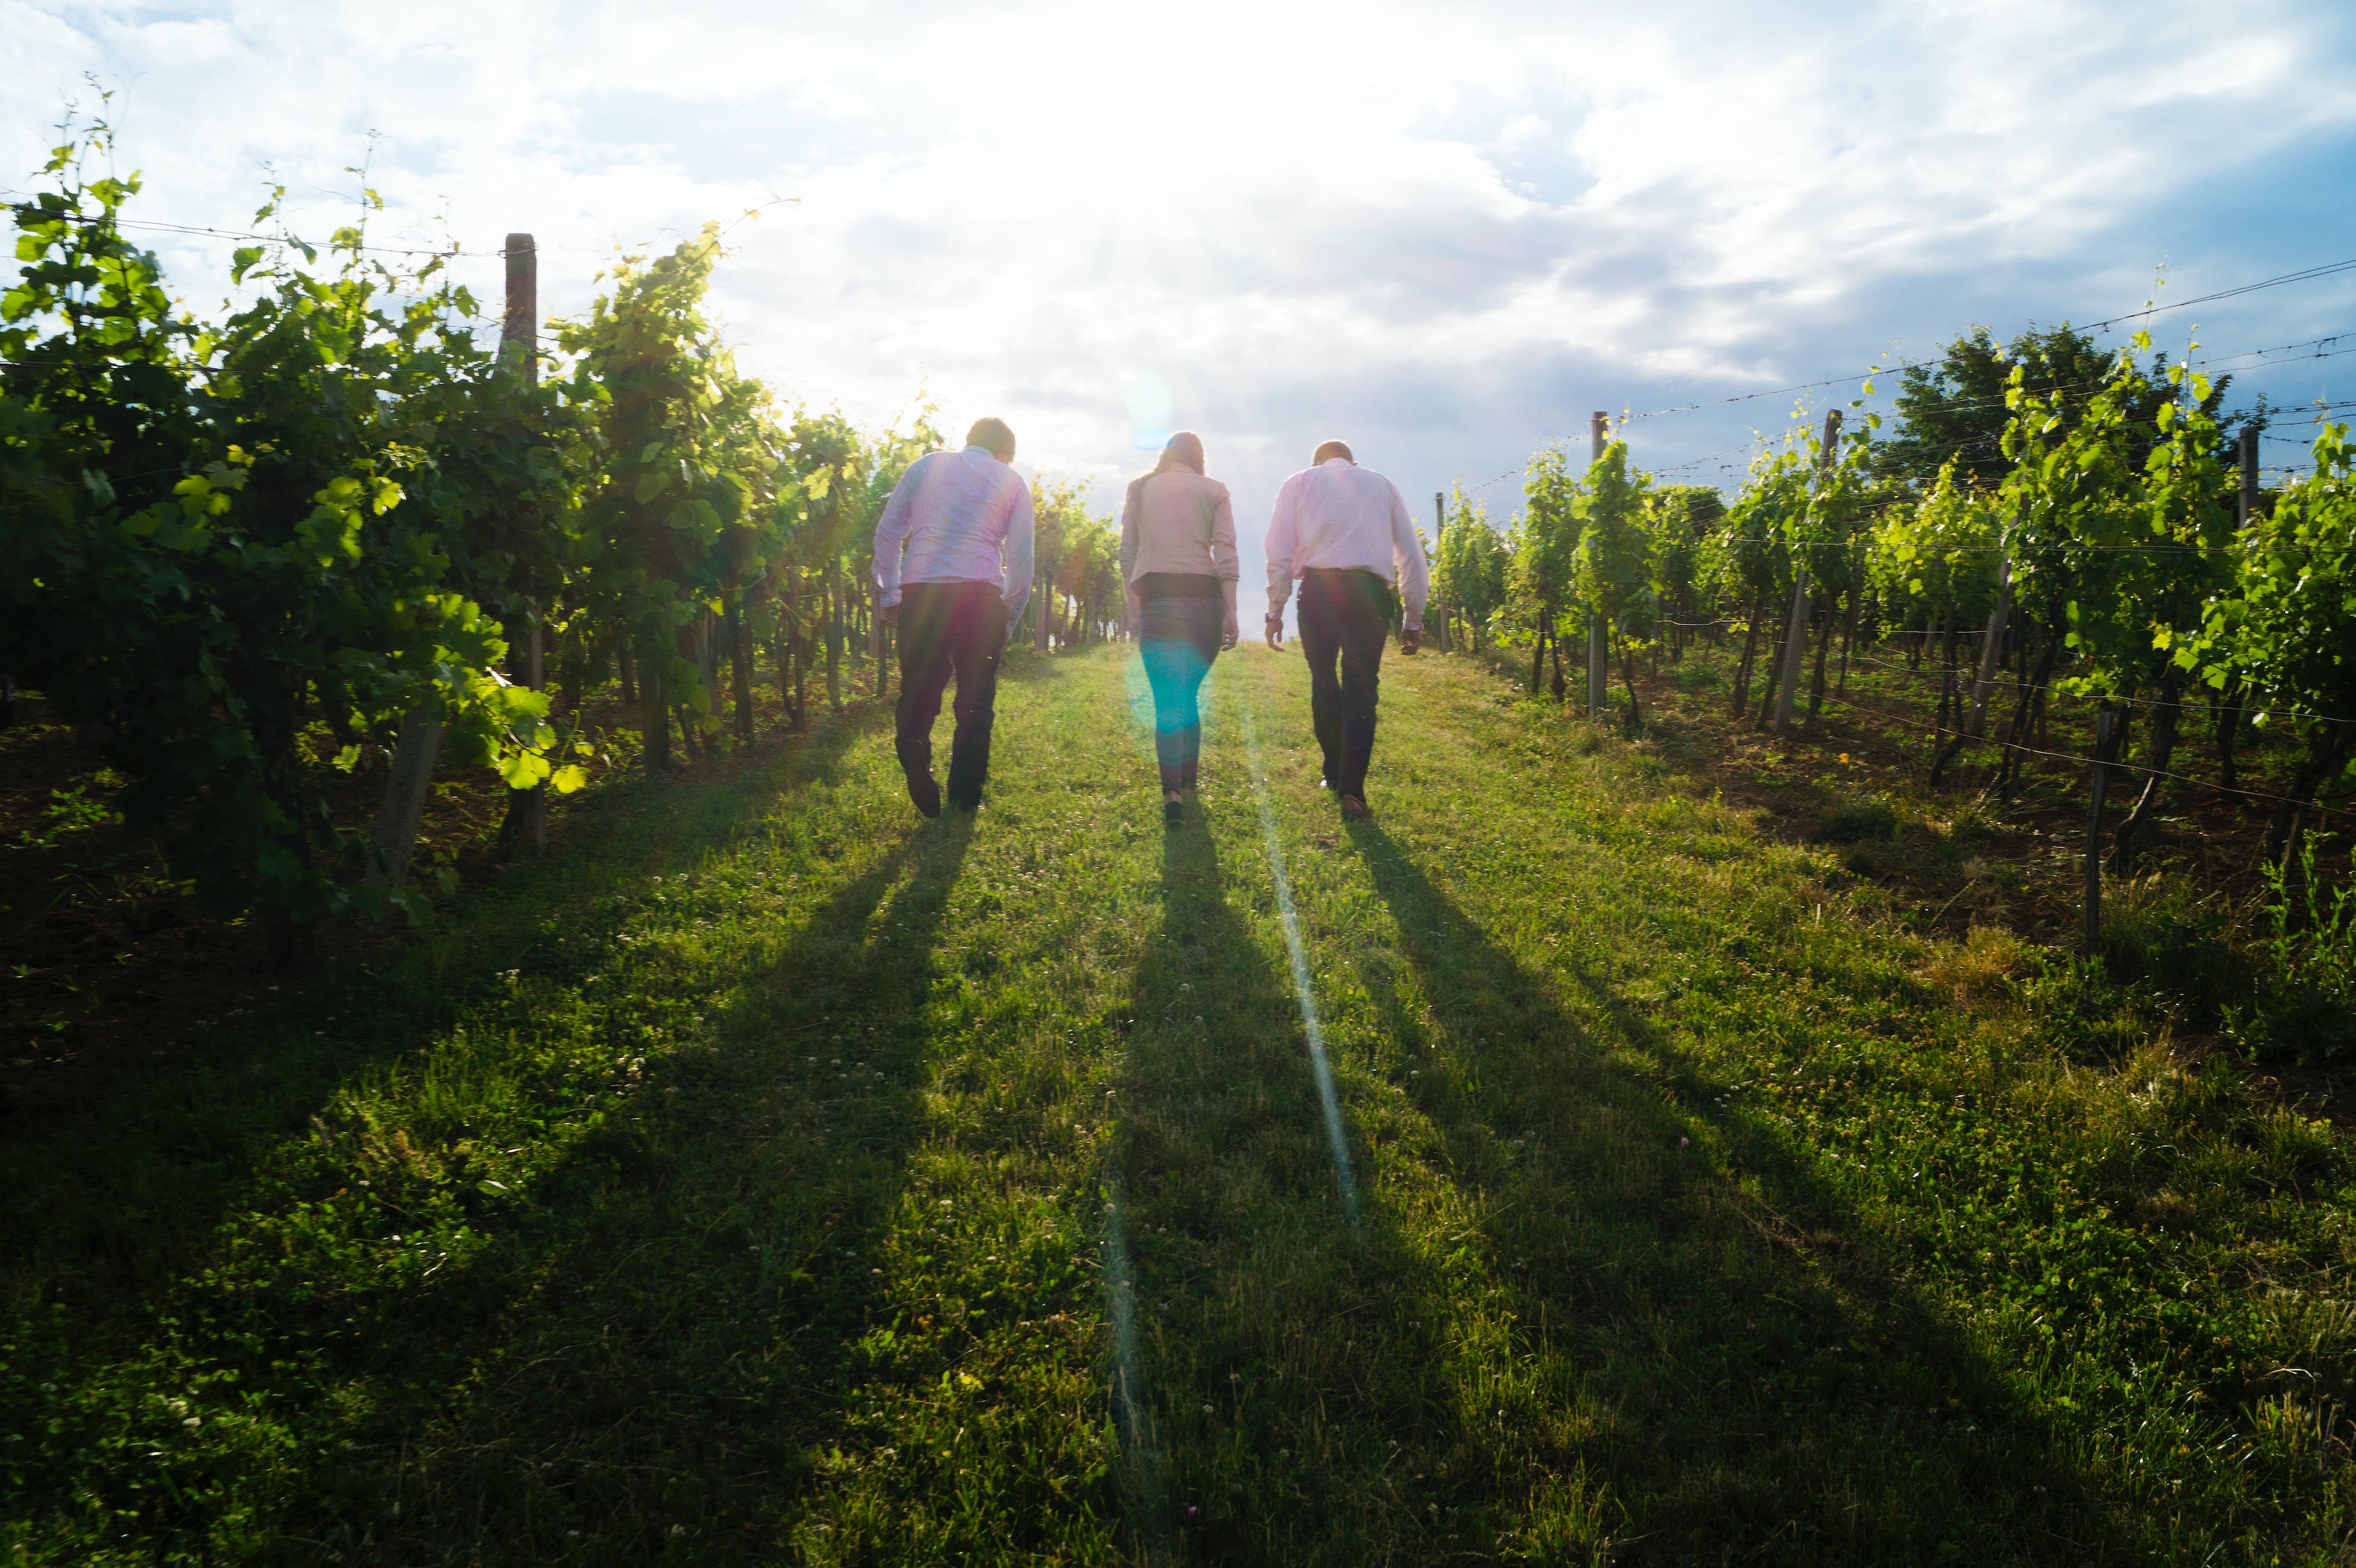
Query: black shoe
x,y
926,794
1173,814
966,801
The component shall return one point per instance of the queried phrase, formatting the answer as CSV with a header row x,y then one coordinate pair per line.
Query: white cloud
x,y
1446,231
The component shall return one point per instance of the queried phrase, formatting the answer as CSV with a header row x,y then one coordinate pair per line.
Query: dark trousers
x,y
1346,617
1178,638
949,628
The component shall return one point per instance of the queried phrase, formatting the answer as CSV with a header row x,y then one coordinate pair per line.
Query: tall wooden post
x,y
1438,611
1796,628
1598,688
419,742
405,788
1992,648
2249,498
520,344
520,329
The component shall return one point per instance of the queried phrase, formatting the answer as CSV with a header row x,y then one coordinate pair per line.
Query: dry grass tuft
x,y
1976,972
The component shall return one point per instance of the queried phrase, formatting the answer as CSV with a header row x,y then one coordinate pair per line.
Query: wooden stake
x,y
1796,628
420,743
1598,697
2249,498
405,796
1438,613
520,344
520,330
1992,648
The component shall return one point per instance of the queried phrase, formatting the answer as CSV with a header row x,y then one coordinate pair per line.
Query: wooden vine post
x,y
1439,611
405,787
1597,694
520,344
411,778
1795,626
2249,455
1992,646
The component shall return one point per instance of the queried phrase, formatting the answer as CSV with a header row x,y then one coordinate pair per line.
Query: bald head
x,y
1332,449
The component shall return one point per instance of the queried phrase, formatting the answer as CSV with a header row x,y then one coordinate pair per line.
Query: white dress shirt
x,y
963,517
1338,515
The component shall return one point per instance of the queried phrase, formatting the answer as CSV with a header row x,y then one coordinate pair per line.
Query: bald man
x,y
1343,534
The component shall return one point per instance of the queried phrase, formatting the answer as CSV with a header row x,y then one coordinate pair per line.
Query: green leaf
x,y
522,770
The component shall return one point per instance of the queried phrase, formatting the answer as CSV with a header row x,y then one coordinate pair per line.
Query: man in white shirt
x,y
964,519
1342,531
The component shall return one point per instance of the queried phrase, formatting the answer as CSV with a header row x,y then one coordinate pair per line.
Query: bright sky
x,y
1443,233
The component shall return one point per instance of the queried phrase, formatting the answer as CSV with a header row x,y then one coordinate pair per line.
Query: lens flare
x,y
1152,411
1300,993
1132,1413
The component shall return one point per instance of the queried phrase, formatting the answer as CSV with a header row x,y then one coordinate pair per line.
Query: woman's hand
x,y
1231,630
1136,614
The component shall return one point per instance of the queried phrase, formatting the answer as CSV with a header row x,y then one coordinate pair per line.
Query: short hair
x,y
991,432
1326,449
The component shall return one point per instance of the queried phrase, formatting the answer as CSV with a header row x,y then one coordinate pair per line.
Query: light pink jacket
x,y
1176,520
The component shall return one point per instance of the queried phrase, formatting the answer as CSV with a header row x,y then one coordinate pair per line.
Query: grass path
x,y
774,1176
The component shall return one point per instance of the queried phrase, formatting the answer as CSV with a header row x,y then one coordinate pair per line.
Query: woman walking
x,y
1178,557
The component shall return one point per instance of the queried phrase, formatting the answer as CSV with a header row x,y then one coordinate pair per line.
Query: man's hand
x,y
891,614
1273,629
1411,640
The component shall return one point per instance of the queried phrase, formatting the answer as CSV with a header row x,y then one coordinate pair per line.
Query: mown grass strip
x,y
777,1177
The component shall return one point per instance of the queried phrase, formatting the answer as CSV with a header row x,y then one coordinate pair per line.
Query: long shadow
x,y
1273,1437
1763,1385
119,1227
119,1202
669,1337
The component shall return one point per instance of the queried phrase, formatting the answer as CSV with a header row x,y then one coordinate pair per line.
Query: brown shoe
x,y
1356,810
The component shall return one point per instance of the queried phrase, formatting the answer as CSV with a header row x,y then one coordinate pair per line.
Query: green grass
x,y
773,1176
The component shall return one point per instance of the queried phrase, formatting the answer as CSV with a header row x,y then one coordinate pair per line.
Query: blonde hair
x,y
1183,449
